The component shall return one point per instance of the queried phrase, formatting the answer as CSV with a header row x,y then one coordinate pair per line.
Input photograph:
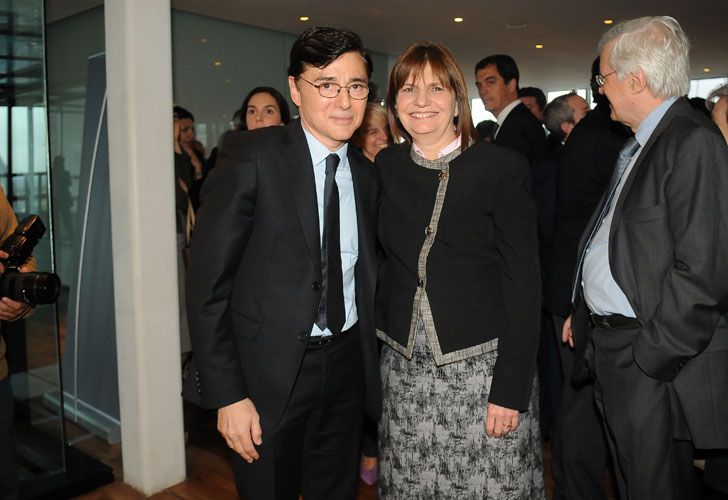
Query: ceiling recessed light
x,y
458,19
203,40
217,63
304,18
706,70
539,45
516,25
608,21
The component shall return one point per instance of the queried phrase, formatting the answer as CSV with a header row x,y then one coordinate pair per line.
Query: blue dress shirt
x,y
348,229
601,292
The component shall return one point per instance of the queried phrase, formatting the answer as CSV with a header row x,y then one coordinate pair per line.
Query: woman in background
x,y
374,134
264,107
458,303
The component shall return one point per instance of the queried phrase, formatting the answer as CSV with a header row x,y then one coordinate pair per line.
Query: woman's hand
x,y
500,421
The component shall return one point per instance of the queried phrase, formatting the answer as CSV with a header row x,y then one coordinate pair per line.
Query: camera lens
x,y
31,288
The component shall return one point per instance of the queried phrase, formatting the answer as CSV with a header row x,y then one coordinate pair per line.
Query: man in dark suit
x,y
496,77
281,284
560,117
578,448
652,277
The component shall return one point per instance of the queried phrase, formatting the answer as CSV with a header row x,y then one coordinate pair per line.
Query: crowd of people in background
x,y
494,261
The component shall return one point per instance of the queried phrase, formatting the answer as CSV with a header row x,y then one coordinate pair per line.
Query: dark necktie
x,y
625,156
331,307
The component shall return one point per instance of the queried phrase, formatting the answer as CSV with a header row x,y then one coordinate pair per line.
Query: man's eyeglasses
x,y
330,90
601,79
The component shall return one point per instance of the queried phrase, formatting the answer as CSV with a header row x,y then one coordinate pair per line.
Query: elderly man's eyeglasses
x,y
601,79
330,90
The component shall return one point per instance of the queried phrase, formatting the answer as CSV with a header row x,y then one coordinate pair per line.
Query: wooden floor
x,y
209,474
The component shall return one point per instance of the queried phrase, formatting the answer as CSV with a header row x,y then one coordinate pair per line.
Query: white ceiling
x,y
569,29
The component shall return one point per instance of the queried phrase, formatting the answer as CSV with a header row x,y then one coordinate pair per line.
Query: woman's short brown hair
x,y
411,66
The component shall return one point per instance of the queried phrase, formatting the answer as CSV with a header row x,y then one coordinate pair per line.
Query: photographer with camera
x,y
10,310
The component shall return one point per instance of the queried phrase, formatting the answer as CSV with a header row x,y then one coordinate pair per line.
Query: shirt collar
x,y
319,152
649,124
444,151
506,111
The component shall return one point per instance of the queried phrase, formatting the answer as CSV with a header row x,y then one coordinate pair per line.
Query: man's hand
x,y
567,335
10,310
239,424
499,421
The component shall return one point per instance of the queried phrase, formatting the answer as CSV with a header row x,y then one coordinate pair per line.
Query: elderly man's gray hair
x,y
656,45
557,112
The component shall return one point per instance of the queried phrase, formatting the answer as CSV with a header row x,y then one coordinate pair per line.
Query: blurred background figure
x,y
486,130
374,134
496,78
717,104
534,99
264,107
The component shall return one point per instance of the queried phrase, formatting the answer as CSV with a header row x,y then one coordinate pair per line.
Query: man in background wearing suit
x,y
496,78
652,276
281,284
579,448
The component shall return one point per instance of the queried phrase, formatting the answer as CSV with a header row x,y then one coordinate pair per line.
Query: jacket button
x,y
420,283
316,286
302,336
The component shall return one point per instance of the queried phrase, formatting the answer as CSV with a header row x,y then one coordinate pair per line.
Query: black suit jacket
x,y
254,265
667,252
482,270
522,132
584,170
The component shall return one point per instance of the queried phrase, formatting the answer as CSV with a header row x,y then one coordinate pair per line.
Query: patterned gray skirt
x,y
432,441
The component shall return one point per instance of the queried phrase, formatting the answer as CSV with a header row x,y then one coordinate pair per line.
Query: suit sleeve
x,y
517,246
695,290
223,227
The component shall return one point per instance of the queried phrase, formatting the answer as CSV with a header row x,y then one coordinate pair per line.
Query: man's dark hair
x,y
596,96
506,66
182,114
534,92
322,45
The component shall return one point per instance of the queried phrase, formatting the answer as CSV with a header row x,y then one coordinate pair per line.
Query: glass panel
x,y
32,344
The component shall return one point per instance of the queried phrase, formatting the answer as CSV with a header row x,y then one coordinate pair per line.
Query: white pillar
x,y
139,110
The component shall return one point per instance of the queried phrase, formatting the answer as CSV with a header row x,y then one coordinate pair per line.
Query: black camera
x,y
31,288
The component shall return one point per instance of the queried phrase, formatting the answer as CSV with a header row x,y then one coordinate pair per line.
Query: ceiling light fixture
x,y
539,45
304,18
706,70
458,19
203,40
609,21
217,63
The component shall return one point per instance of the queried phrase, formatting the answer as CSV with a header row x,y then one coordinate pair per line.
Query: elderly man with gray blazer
x,y
651,287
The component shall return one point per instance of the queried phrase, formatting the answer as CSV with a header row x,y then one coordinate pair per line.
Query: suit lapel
x,y
297,159
644,153
361,179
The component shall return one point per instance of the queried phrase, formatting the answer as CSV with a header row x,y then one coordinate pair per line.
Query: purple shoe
x,y
369,476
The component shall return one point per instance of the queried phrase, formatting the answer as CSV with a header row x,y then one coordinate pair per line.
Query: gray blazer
x,y
668,251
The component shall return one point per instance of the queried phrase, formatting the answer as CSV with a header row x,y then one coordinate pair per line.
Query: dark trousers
x,y
8,467
579,450
649,463
314,449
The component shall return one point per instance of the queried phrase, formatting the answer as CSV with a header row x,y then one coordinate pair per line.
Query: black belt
x,y
319,341
614,322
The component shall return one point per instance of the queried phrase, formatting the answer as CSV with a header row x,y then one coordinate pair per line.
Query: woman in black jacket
x,y
458,304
